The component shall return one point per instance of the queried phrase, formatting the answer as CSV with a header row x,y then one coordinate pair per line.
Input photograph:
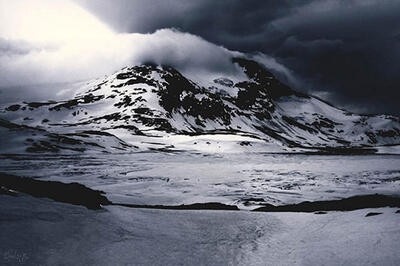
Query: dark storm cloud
x,y
13,47
347,51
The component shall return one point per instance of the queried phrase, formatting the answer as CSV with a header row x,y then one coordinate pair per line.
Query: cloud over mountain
x,y
346,50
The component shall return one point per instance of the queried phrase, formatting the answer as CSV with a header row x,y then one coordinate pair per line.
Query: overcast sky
x,y
347,52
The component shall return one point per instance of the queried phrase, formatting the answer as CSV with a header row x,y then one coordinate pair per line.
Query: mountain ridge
x,y
158,104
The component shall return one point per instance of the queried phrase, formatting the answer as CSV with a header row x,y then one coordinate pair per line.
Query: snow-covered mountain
x,y
157,107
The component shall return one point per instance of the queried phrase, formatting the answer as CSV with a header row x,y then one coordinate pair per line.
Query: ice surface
x,y
42,232
246,180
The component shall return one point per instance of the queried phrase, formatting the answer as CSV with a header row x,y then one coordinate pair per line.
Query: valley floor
x,y
40,231
247,180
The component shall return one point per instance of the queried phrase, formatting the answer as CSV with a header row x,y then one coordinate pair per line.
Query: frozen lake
x,y
37,231
40,231
246,180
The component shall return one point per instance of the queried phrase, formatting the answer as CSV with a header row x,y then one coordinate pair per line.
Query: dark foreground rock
x,y
195,206
78,194
8,192
372,214
347,204
72,193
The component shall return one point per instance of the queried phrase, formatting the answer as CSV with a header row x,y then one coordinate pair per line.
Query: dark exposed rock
x,y
124,75
6,191
143,111
195,206
372,214
100,133
136,80
224,82
42,146
88,98
389,133
371,136
131,128
158,123
73,193
254,199
293,122
324,122
245,143
275,135
265,79
13,126
176,84
78,194
13,108
254,70
347,204
125,102
40,104
110,117
344,142
178,92
342,150
250,201
247,97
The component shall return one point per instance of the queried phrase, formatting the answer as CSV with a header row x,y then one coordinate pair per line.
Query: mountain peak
x,y
143,102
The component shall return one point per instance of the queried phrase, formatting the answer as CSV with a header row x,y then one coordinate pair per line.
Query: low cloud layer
x,y
348,51
35,51
39,59
24,63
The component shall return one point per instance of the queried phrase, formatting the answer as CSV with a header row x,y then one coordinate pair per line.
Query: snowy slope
x,y
156,107
41,232
21,138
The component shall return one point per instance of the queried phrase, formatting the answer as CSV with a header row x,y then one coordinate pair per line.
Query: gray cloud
x,y
67,62
45,52
15,47
27,69
350,50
